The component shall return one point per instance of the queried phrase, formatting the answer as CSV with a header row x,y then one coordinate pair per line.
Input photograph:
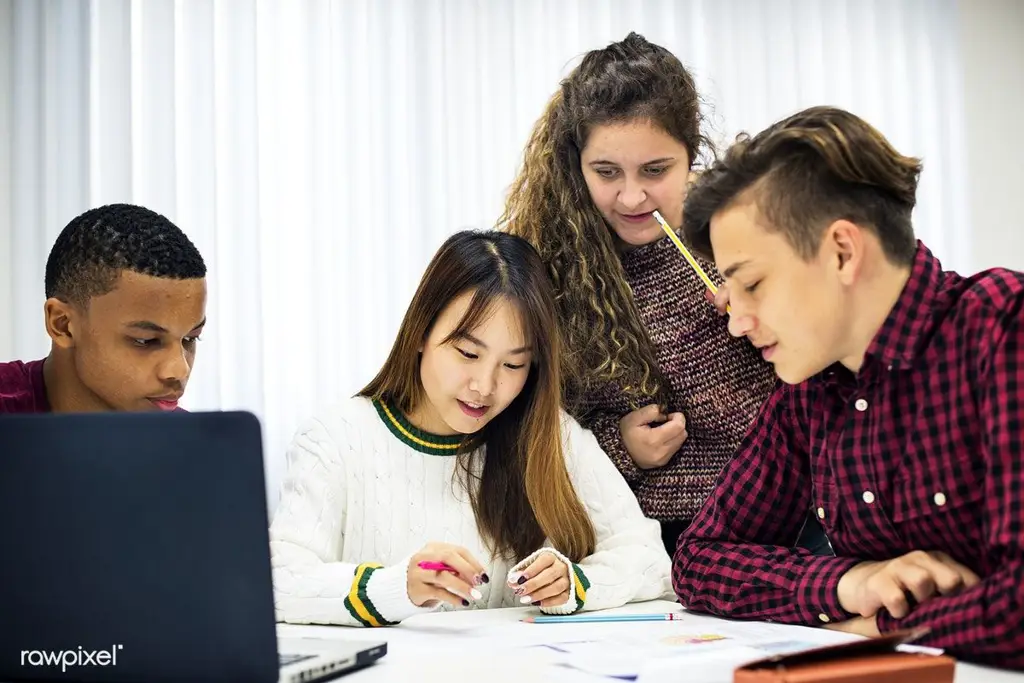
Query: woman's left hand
x,y
545,583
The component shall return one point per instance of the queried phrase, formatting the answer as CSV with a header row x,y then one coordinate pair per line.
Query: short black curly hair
x,y
93,249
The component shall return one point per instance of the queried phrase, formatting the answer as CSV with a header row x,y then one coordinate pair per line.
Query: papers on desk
x,y
702,648
465,645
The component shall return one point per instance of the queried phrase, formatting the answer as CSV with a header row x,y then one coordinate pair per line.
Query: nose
x,y
741,321
633,194
483,382
175,366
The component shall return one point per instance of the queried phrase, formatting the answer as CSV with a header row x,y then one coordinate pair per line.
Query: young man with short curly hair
x,y
125,304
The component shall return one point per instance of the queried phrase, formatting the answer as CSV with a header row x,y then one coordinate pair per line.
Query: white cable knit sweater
x,y
365,490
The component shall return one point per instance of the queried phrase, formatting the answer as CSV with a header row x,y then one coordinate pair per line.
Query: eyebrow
x,y
153,327
598,162
470,338
731,270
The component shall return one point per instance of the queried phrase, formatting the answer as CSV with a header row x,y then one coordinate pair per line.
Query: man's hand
x,y
869,586
648,446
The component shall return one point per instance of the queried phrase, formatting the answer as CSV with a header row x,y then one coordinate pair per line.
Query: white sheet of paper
x,y
694,643
497,642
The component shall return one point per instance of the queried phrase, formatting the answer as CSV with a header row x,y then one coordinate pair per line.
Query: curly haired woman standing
x,y
650,366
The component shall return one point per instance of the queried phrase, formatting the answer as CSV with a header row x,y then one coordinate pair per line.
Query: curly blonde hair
x,y
549,204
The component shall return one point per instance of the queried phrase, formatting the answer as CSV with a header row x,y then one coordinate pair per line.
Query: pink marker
x,y
442,567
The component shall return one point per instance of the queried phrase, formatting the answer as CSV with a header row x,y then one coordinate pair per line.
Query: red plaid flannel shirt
x,y
923,449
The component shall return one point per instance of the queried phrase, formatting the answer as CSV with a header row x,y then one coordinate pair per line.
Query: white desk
x,y
467,646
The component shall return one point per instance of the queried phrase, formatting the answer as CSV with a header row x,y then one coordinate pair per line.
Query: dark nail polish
x,y
465,603
485,578
535,604
522,579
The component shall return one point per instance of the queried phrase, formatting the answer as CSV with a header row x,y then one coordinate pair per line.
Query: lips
x,y
636,217
474,410
166,403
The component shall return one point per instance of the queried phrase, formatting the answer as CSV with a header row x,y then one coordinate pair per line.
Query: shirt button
x,y
821,513
861,405
868,497
940,498
824,618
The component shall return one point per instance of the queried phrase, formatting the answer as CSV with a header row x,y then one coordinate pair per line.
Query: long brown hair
x,y
523,495
819,165
549,205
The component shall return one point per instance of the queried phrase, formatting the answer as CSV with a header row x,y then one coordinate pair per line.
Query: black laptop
x,y
135,548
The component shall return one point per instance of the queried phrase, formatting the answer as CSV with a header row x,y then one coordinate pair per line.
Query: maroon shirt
x,y
22,389
923,449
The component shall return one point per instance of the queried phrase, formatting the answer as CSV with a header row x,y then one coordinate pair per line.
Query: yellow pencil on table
x,y
686,253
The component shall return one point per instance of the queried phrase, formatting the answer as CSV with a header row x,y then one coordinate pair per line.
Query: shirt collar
x,y
908,326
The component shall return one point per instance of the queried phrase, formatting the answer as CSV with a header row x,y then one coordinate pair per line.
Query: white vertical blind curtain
x,y
319,151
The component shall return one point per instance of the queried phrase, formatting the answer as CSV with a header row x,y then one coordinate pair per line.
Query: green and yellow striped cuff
x,y
580,586
358,604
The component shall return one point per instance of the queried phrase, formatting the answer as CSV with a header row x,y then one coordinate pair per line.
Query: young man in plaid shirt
x,y
900,417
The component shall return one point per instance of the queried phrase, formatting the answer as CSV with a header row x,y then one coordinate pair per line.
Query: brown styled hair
x,y
820,165
523,494
549,204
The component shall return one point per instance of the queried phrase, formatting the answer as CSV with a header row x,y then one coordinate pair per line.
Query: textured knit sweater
x,y
365,490
717,381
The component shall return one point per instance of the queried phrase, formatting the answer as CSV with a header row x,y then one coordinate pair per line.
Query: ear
x,y
61,320
844,242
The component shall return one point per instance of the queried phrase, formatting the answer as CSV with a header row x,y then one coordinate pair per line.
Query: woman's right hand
x,y
720,299
427,587
648,446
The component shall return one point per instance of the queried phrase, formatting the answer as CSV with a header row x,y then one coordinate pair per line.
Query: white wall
x,y
6,262
992,49
209,113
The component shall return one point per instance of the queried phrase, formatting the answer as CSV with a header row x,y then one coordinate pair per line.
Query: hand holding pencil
x,y
721,299
442,572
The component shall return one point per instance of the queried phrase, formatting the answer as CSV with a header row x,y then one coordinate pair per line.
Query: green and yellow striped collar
x,y
413,437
